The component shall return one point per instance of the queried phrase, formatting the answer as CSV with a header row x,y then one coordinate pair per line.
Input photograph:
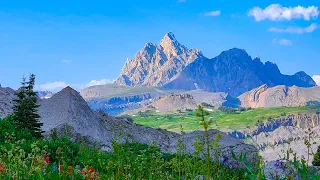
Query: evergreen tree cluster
x,y
26,108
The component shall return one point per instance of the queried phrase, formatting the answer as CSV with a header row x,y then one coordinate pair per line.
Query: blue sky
x,y
75,42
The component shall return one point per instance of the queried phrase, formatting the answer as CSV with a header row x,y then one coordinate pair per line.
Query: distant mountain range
x,y
172,65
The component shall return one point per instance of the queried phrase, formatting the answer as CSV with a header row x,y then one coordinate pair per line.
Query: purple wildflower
x,y
278,164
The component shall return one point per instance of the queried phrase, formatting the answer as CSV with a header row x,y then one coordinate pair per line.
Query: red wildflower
x,y
277,176
47,160
69,172
84,172
60,168
69,167
91,170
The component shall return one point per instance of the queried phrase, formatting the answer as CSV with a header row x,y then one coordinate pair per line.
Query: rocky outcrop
x,y
214,99
68,112
289,133
264,96
7,95
156,65
173,103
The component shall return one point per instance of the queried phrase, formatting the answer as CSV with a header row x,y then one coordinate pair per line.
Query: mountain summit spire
x,y
171,47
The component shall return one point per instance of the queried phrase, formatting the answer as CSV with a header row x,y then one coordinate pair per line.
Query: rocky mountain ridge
x,y
234,72
172,65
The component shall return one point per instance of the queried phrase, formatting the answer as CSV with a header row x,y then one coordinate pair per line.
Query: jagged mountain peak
x,y
156,65
170,45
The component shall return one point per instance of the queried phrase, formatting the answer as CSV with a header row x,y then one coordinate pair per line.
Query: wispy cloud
x,y
316,79
99,82
296,29
58,85
213,13
51,86
284,42
66,61
276,12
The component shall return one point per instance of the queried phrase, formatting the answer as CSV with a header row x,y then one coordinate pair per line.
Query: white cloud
x,y
296,29
213,13
276,12
58,85
66,61
51,86
99,82
284,42
316,78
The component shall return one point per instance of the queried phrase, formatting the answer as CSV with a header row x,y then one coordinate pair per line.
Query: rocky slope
x,y
275,137
156,65
6,101
264,96
68,111
173,66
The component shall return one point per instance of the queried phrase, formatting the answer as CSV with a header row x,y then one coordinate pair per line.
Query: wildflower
x,y
69,167
297,177
91,170
69,172
47,160
84,171
60,168
55,167
222,160
277,175
278,164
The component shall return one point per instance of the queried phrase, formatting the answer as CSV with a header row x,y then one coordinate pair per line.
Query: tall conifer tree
x,y
26,108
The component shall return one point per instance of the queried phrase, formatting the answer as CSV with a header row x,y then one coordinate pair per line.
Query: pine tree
x,y
25,109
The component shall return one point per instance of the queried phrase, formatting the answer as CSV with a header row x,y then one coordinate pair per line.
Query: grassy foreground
x,y
223,121
24,157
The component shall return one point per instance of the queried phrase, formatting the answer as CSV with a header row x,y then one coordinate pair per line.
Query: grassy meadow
x,y
222,121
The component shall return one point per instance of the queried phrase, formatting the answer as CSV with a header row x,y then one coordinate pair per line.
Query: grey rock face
x,y
68,109
274,138
264,96
7,95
